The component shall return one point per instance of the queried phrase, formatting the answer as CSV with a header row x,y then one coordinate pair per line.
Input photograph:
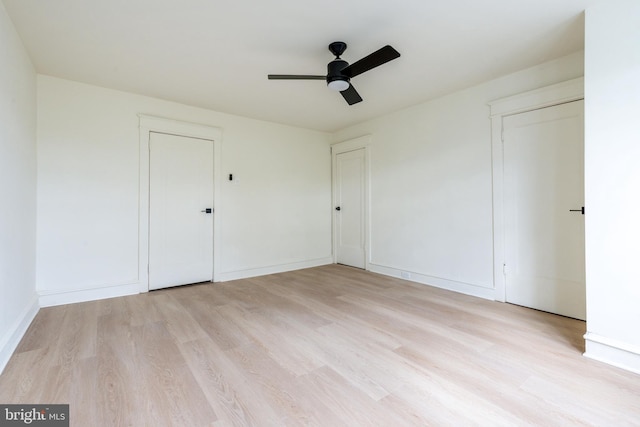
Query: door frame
x,y
561,93
150,124
362,142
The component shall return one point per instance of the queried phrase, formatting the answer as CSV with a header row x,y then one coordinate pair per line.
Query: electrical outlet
x,y
405,275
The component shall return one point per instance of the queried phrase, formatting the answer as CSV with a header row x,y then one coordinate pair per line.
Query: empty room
x,y
330,214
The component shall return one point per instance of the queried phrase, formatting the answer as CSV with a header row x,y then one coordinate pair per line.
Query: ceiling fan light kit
x,y
338,85
339,72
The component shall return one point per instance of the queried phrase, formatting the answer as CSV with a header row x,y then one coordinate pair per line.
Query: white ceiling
x,y
216,54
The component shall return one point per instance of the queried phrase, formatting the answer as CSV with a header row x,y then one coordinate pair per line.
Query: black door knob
x,y
337,208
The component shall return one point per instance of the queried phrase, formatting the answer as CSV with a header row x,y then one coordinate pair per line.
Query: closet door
x,y
543,209
180,210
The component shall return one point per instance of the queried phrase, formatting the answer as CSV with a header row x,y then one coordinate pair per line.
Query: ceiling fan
x,y
339,72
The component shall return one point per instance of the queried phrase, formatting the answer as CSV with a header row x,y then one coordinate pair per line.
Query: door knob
x,y
581,210
337,208
208,210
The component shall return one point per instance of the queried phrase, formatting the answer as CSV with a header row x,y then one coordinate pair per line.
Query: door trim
x,y
362,142
150,124
568,91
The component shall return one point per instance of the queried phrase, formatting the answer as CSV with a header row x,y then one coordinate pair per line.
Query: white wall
x,y
431,192
275,216
612,180
18,303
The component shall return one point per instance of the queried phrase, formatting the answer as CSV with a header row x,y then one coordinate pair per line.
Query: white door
x,y
180,210
350,208
543,198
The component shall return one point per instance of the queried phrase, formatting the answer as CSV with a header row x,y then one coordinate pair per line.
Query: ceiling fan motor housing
x,y
334,70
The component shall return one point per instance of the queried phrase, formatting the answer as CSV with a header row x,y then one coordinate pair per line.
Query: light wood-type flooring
x,y
327,346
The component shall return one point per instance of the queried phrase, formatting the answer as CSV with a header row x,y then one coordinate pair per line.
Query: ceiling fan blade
x,y
351,95
294,77
377,58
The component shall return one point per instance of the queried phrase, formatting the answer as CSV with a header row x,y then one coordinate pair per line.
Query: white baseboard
x,y
262,271
10,340
612,352
450,285
51,298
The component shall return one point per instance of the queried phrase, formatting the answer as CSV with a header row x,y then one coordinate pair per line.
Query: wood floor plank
x,y
177,319
398,316
332,308
325,346
349,402
77,333
139,310
45,324
119,397
223,330
21,379
213,293
175,395
500,385
85,393
350,364
264,330
234,400
283,390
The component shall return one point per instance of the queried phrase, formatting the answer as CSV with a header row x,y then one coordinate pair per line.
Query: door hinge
x,y
504,269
